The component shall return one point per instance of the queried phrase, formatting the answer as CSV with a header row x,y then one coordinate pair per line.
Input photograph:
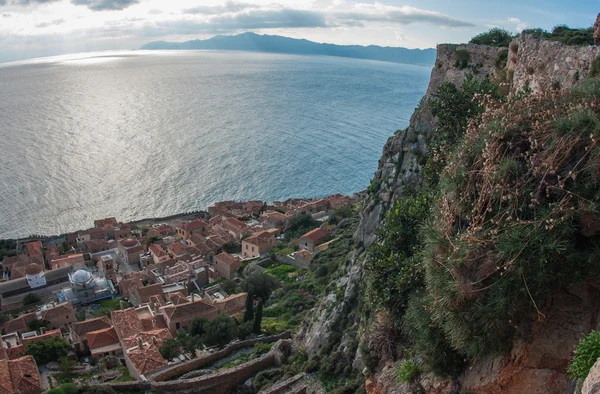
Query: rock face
x,y
537,362
592,382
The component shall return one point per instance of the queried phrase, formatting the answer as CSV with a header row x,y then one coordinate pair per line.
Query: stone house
x,y
78,330
35,252
141,295
19,324
130,250
274,219
311,239
179,316
227,265
67,261
186,230
161,231
103,342
158,253
62,315
258,244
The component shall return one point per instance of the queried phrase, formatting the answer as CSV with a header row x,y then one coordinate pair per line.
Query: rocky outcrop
x,y
591,385
543,65
401,164
597,31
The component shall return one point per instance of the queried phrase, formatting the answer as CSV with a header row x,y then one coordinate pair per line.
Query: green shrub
x,y
495,37
31,298
407,371
56,390
595,69
462,57
587,353
69,388
501,59
50,350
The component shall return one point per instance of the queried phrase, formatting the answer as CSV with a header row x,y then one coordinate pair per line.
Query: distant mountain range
x,y
279,44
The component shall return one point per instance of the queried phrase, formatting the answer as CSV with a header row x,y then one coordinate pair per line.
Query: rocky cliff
x,y
538,359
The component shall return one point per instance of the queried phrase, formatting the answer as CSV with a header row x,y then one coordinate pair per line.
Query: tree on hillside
x,y
31,298
494,37
260,285
36,324
249,312
219,331
45,351
197,326
258,318
170,349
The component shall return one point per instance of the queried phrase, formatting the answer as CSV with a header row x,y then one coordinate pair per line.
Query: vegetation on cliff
x,y
507,216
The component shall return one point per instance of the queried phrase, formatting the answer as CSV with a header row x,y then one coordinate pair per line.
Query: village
x,y
114,302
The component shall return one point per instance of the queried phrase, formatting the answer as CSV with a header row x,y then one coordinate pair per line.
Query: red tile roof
x,y
315,235
59,311
191,308
194,224
83,327
15,351
228,259
101,223
19,375
233,304
33,269
44,337
157,250
20,323
34,248
147,359
177,298
126,322
259,238
160,334
101,338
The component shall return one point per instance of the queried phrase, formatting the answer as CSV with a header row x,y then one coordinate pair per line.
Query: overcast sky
x,y
34,28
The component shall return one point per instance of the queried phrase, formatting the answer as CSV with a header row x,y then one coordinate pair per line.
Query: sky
x,y
36,28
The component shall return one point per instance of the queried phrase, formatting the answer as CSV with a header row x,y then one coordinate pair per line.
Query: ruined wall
x,y
545,65
180,369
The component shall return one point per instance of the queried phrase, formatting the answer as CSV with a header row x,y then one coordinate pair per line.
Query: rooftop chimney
x,y
154,341
193,295
122,304
43,330
8,345
154,324
140,344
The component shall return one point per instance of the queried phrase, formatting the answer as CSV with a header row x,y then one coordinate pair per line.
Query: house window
x,y
177,326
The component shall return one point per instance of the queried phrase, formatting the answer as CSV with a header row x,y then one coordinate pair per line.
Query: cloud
x,y
25,2
519,24
229,6
270,19
50,23
105,5
405,15
6,15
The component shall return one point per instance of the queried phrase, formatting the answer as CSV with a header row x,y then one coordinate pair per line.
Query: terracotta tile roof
x,y
178,277
126,286
126,322
146,291
194,224
96,244
24,375
33,269
6,385
233,304
20,323
156,322
17,272
147,359
21,259
259,238
157,299
191,308
160,334
177,248
15,351
83,327
101,338
157,250
177,298
315,235
44,337
59,311
34,248
228,259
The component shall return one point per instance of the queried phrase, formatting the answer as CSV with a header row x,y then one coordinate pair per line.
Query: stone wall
x,y
544,64
282,387
218,383
182,368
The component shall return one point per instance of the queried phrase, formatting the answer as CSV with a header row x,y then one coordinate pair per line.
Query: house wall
x,y
307,243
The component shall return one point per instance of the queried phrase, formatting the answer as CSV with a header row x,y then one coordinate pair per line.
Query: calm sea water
x,y
147,134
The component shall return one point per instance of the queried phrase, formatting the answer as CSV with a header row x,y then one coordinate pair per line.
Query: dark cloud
x,y
105,5
229,6
402,15
50,23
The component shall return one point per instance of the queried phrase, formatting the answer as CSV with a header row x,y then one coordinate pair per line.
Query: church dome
x,y
81,277
33,269
129,242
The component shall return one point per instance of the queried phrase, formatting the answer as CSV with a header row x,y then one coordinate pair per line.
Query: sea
x,y
139,134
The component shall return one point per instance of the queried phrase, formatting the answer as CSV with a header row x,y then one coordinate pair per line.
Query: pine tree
x,y
249,313
258,317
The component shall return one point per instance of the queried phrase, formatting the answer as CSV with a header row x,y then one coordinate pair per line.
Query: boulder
x,y
591,385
